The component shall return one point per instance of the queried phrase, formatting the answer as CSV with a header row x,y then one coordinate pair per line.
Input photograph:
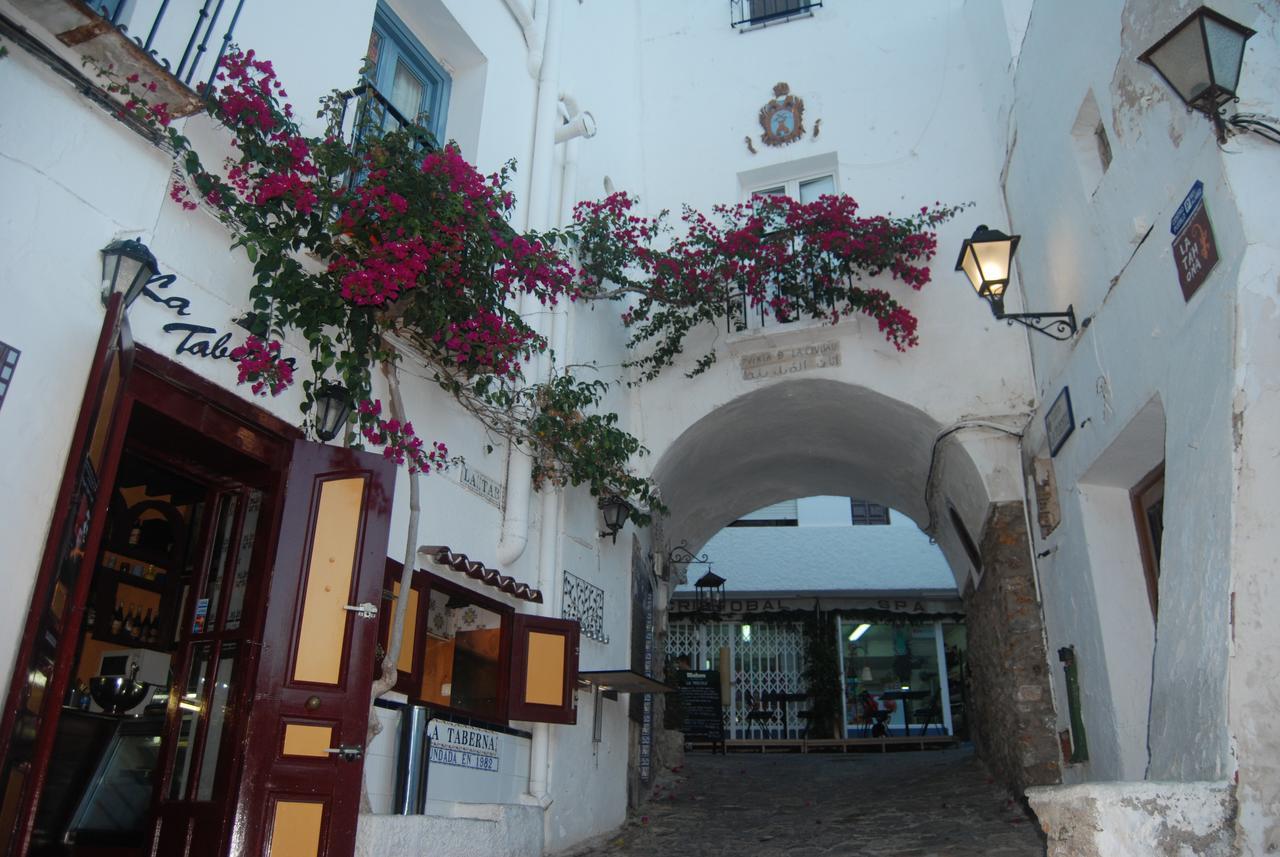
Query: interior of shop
x,y
902,679
156,672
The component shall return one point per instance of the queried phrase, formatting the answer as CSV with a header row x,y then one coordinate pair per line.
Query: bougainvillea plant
x,y
374,231
773,255
365,233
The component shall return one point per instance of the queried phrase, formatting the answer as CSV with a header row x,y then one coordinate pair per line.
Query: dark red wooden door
x,y
42,668
310,708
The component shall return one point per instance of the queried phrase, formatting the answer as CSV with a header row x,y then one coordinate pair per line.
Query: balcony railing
x,y
372,110
740,315
177,45
188,25
749,14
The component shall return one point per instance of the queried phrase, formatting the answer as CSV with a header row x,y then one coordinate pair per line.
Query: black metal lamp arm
x,y
1055,325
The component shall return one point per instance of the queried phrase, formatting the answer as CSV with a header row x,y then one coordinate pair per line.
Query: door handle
x,y
347,752
365,609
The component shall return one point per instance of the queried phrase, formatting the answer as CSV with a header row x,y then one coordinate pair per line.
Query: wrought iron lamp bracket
x,y
1055,325
681,555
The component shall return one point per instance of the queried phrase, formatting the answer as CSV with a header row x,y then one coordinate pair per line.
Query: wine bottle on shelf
x,y
131,622
117,619
144,628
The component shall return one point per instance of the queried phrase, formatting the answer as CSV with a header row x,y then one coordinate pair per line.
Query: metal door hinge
x,y
365,610
348,752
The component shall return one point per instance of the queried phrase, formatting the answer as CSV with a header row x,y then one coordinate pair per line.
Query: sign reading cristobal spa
x,y
463,746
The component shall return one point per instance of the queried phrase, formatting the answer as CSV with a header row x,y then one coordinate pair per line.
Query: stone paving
x,y
936,803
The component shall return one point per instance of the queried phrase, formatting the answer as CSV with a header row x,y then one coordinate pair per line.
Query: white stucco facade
x,y
958,101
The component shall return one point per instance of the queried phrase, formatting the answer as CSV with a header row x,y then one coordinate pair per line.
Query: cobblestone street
x,y
930,804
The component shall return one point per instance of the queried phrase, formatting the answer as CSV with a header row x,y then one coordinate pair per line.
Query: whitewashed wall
x,y
1184,698
902,101
75,179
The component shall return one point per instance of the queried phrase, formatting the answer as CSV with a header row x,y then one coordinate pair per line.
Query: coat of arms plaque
x,y
782,118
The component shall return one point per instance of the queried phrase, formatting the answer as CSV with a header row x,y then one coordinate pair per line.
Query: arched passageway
x,y
798,438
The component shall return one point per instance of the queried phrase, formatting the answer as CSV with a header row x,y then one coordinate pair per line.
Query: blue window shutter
x,y
399,45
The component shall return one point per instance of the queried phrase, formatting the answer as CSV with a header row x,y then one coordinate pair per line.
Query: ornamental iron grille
x,y
193,30
770,661
749,14
8,365
585,602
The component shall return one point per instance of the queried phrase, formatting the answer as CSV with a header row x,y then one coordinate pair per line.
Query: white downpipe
x,y
515,530
525,18
581,125
515,519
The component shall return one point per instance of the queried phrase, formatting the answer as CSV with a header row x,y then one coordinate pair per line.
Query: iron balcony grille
x,y
184,28
749,14
374,112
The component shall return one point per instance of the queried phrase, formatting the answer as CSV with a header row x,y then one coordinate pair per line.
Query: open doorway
x,y
147,735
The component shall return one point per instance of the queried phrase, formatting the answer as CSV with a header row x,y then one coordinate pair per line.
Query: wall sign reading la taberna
x,y
197,340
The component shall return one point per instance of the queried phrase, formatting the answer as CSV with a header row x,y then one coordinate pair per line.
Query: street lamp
x,y
615,509
333,406
127,265
987,260
1201,59
709,591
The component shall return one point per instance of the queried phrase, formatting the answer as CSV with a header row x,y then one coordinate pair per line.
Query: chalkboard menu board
x,y
700,699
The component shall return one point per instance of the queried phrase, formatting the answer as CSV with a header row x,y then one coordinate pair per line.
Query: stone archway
x,y
798,438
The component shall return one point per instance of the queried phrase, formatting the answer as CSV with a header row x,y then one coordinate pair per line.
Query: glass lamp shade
x,y
710,591
127,265
986,259
1201,58
333,406
615,510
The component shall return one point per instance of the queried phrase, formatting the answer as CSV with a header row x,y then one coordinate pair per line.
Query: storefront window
x,y
893,685
462,655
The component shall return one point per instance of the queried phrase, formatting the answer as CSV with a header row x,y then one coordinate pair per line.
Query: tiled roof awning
x,y
442,555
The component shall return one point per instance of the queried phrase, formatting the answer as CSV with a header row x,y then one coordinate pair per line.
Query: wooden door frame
x,y
183,395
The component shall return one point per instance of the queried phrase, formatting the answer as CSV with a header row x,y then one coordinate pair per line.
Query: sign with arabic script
x,y
788,361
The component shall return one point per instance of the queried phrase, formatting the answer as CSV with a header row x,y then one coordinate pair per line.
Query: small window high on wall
x,y
1148,513
474,656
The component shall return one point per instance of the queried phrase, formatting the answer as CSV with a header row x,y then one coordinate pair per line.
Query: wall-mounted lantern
x,y
987,259
333,406
1201,59
615,509
127,265
709,590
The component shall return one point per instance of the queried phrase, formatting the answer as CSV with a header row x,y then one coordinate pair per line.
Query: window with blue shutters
x,y
406,75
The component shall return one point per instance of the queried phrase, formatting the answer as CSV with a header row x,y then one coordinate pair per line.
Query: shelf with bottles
x,y
134,571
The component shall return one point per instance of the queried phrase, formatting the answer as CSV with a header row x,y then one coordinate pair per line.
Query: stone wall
x,y
1011,712
1144,819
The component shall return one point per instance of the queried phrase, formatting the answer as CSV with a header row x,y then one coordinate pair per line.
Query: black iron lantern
x,y
709,591
333,406
615,509
127,265
987,260
1201,59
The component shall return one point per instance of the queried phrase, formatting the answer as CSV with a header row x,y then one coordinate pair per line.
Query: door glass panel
x,y
207,606
545,682
408,643
222,688
244,555
295,830
190,706
323,634
303,740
